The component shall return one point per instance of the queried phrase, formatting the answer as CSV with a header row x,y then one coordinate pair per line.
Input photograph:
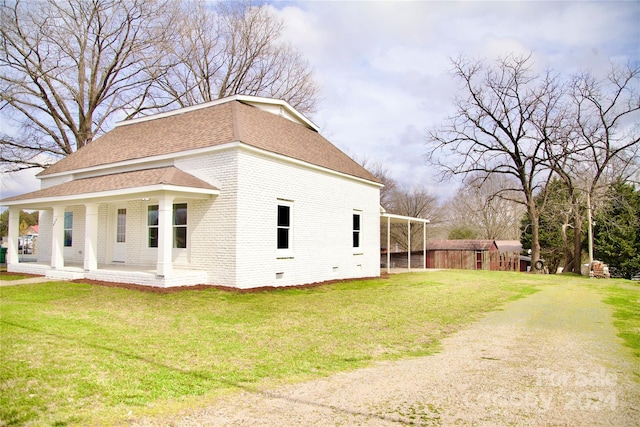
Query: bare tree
x,y
68,67
380,171
595,144
235,48
493,130
608,120
484,207
416,202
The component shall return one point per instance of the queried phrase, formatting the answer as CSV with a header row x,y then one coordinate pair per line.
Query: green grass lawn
x,y
81,354
624,296
10,276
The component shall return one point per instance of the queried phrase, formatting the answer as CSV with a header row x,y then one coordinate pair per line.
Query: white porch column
x,y
57,238
409,244
91,237
165,236
14,233
424,245
388,245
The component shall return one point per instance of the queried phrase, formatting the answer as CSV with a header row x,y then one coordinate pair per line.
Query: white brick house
x,y
241,192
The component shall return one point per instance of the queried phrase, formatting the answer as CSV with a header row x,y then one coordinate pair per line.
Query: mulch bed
x,y
175,289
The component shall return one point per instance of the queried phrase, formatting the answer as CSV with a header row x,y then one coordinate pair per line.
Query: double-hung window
x,y
152,225
179,225
284,230
356,230
68,229
121,229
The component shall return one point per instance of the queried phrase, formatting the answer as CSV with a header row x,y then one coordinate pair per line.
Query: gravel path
x,y
550,359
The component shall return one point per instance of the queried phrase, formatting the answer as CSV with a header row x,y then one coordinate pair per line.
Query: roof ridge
x,y
201,130
235,116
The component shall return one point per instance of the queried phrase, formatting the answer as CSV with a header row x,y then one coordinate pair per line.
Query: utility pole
x,y
590,237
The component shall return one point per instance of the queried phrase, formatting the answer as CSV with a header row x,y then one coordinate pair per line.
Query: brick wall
x,y
212,223
45,224
103,230
136,227
75,253
323,205
232,237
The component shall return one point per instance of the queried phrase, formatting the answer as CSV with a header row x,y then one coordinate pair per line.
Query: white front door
x,y
120,243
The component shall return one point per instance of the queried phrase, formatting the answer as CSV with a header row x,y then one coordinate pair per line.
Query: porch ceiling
x,y
147,183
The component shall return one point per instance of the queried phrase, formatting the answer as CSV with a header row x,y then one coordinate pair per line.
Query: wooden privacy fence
x,y
474,260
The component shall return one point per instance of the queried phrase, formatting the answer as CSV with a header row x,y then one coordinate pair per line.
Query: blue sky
x,y
383,67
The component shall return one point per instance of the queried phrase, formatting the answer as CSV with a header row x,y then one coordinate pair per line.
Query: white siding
x,y
232,237
103,237
45,224
57,180
212,223
136,231
322,215
75,253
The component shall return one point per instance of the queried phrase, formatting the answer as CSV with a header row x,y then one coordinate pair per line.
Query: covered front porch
x,y
130,227
138,275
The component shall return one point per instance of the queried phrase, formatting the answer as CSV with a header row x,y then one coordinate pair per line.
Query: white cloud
x,y
21,182
383,66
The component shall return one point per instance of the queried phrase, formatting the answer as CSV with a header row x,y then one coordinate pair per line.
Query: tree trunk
x,y
568,255
535,236
577,241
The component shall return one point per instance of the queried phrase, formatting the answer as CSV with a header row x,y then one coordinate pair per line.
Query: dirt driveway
x,y
551,359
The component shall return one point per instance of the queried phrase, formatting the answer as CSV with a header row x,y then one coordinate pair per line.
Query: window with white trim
x,y
121,231
180,225
68,229
152,226
356,230
284,230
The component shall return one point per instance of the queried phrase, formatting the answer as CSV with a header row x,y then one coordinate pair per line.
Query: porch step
x,y
64,275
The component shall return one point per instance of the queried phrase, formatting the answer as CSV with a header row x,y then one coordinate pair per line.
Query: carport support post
x,y
14,233
409,245
57,238
165,236
424,245
91,237
388,245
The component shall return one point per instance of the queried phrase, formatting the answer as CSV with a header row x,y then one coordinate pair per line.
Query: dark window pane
x,y
180,237
356,239
180,214
356,222
284,213
153,237
152,215
122,226
283,238
68,229
68,238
